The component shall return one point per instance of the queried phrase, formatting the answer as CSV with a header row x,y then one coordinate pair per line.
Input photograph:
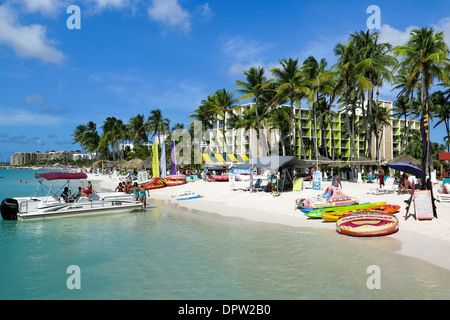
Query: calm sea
x,y
170,253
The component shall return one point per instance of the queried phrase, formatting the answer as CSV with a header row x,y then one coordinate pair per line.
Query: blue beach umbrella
x,y
405,167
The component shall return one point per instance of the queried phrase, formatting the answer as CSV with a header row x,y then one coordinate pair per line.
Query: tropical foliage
x,y
345,95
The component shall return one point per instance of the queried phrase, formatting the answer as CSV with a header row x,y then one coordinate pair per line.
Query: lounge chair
x,y
255,187
387,188
371,179
443,194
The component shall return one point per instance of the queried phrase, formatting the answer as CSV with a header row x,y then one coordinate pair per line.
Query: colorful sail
x,y
173,169
163,159
155,162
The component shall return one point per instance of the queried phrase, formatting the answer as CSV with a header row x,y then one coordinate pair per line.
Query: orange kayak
x,y
334,216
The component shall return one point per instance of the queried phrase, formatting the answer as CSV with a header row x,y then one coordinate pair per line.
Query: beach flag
x,y
173,169
163,159
155,162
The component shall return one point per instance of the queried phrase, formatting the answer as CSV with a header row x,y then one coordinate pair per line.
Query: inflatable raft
x,y
367,223
332,196
175,180
334,216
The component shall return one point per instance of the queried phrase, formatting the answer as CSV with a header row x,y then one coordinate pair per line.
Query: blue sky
x,y
133,56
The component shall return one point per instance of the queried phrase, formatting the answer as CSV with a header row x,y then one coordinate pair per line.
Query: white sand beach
x,y
428,240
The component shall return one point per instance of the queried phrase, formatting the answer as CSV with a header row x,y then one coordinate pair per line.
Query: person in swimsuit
x,y
336,181
136,190
381,177
143,195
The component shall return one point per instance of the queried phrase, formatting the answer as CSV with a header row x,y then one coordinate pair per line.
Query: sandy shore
x,y
426,240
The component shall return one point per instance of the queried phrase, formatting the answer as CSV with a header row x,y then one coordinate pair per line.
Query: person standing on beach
x,y
336,181
381,177
143,195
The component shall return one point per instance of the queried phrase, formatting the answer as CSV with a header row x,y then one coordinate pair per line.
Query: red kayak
x,y
155,183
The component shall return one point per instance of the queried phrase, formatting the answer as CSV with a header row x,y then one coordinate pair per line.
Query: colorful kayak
x,y
155,183
189,198
334,216
317,214
368,223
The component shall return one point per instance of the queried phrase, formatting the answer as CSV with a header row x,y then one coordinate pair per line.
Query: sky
x,y
128,57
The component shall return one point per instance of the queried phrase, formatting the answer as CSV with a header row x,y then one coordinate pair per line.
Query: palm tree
x,y
318,81
222,102
79,136
440,104
205,113
373,60
291,85
381,119
351,80
255,87
157,124
112,134
280,120
137,129
92,138
425,56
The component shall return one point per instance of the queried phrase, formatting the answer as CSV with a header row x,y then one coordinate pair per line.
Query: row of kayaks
x,y
359,220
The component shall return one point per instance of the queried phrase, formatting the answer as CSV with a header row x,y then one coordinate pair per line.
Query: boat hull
x,y
80,209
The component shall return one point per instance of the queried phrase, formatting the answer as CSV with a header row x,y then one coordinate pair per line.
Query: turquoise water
x,y
169,253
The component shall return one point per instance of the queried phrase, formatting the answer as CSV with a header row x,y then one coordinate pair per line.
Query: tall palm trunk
x,y
425,129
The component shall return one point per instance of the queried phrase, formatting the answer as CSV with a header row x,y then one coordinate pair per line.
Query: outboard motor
x,y
9,209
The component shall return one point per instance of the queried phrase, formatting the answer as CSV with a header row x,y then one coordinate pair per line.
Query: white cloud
x,y
27,41
444,25
394,36
170,14
34,98
45,7
25,118
110,4
244,53
400,37
206,11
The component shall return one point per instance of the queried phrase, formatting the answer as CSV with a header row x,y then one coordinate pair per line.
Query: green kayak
x,y
317,214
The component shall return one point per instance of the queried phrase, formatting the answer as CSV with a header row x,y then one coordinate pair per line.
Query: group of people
x,y
139,191
67,195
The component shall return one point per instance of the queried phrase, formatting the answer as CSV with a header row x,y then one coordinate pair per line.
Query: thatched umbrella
x,y
146,164
132,164
121,164
98,164
405,158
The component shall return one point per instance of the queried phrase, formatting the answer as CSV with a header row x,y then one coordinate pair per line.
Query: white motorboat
x,y
53,205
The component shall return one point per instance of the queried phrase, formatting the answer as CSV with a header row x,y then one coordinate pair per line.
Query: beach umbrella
x,y
121,164
405,158
405,167
146,164
132,164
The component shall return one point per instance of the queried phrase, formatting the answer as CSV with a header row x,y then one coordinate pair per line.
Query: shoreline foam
x,y
425,240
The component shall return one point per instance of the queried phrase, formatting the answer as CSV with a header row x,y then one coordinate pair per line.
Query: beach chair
x,y
443,194
387,188
255,187
371,179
